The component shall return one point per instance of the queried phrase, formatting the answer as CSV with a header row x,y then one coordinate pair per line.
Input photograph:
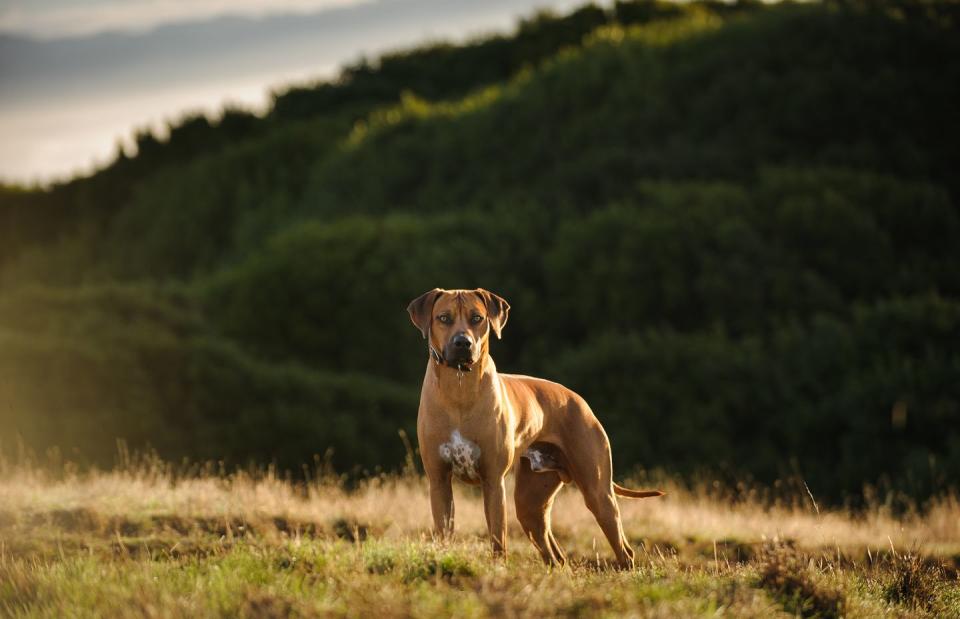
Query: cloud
x,y
61,18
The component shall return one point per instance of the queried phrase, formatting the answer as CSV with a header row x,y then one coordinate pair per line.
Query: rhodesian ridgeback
x,y
476,424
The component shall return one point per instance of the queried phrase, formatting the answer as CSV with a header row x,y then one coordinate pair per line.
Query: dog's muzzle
x,y
457,354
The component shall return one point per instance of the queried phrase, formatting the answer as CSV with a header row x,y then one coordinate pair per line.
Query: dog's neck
x,y
461,390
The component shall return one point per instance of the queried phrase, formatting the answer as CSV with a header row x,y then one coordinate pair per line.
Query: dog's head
x,y
457,323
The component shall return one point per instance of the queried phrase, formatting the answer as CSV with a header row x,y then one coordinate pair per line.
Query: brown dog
x,y
476,424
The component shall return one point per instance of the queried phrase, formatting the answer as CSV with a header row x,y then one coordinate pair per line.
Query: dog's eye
x,y
476,319
444,319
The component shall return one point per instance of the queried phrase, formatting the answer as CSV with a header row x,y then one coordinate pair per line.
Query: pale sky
x,y
75,92
58,18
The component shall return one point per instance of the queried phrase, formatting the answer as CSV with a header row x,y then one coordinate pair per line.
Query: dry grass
x,y
684,514
144,541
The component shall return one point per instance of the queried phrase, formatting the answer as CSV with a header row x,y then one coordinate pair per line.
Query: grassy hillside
x,y
145,541
732,228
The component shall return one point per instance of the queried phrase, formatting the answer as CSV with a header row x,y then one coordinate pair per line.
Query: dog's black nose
x,y
461,342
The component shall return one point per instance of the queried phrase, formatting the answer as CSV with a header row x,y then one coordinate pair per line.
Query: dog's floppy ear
x,y
421,310
497,310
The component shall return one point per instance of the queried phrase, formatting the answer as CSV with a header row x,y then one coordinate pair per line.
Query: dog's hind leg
x,y
593,475
607,512
534,494
555,546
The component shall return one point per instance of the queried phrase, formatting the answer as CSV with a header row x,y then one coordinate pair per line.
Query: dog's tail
x,y
636,494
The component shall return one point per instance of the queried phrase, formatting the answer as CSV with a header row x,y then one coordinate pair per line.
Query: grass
x,y
144,541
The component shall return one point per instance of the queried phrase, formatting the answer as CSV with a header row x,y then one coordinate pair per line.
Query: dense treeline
x,y
732,228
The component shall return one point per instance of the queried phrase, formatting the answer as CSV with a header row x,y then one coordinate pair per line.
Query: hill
x,y
732,228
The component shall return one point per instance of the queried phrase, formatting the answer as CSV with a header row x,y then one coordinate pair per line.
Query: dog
x,y
476,424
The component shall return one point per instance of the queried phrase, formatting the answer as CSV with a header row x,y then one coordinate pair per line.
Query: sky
x,y
59,18
78,77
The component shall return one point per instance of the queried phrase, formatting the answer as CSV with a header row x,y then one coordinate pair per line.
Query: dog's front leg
x,y
495,507
441,501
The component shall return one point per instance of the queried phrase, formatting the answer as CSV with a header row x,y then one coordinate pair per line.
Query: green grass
x,y
133,544
321,577
308,577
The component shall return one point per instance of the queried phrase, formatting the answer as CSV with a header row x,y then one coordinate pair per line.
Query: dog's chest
x,y
463,455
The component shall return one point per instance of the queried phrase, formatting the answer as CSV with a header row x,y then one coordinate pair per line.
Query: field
x,y
143,540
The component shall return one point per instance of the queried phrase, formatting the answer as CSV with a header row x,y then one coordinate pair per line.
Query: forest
x,y
732,227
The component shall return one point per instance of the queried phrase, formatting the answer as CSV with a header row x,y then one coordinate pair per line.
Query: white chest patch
x,y
463,455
